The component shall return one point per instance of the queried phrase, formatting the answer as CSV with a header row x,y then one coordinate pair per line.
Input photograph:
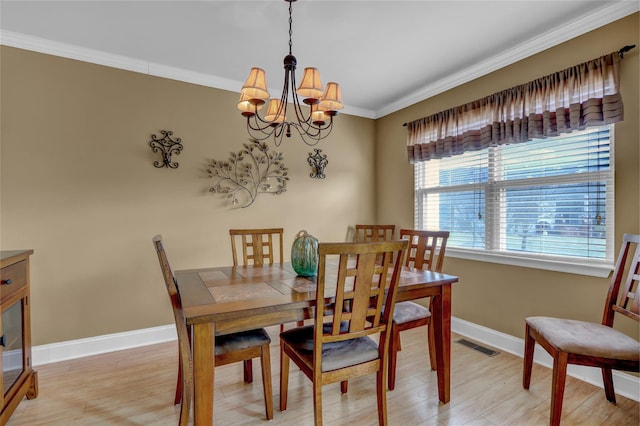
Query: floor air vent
x,y
477,347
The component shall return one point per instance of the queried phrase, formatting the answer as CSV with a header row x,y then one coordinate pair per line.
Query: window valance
x,y
573,99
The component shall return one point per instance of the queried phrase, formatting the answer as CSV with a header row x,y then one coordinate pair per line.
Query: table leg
x,y
203,370
441,316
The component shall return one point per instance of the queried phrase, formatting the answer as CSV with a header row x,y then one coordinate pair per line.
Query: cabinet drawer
x,y
12,278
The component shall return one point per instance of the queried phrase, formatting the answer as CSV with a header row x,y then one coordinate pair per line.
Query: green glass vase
x,y
304,254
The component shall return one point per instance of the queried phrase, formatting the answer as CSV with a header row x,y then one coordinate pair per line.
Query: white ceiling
x,y
386,55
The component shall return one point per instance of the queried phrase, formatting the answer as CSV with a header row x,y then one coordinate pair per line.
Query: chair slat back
x,y
369,233
257,245
625,299
426,248
362,287
184,345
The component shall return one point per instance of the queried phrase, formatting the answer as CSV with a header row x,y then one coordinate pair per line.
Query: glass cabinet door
x,y
13,349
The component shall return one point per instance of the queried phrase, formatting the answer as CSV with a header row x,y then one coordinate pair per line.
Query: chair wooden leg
x,y
267,388
394,344
248,371
284,379
431,340
557,387
344,386
529,346
178,397
381,393
185,408
317,403
607,379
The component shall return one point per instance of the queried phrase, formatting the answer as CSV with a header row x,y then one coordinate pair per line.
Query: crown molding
x,y
70,51
584,24
575,28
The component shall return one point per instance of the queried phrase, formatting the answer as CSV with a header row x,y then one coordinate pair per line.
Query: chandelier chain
x,y
290,29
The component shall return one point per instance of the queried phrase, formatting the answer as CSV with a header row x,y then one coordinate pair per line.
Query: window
x,y
545,203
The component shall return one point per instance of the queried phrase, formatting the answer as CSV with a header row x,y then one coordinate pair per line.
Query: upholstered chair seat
x,y
227,343
335,355
409,311
585,338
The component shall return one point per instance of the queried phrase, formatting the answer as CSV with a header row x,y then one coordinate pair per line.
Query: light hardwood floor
x,y
136,387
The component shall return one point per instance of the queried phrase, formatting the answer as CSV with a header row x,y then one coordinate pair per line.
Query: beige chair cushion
x,y
585,338
409,311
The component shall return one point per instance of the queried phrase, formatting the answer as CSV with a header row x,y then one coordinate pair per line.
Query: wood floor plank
x,y
136,387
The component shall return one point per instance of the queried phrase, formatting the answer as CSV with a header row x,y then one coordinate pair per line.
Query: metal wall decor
x,y
167,146
263,172
318,162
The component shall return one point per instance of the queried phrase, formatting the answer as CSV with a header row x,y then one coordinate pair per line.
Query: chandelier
x,y
313,125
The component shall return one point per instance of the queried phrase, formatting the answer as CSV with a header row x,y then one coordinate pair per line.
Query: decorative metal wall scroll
x,y
167,146
243,181
318,162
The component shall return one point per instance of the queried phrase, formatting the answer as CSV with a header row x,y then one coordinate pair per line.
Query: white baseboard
x,y
72,349
625,384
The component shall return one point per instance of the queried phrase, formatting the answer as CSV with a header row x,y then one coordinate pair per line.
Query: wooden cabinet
x,y
18,378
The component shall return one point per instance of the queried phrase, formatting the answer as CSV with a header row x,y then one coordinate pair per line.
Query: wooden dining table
x,y
230,299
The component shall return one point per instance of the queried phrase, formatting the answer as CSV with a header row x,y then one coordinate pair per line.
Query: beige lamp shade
x,y
318,116
246,105
332,98
272,112
311,87
256,85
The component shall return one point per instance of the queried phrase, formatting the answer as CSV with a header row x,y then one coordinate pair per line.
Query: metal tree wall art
x,y
318,162
167,146
252,171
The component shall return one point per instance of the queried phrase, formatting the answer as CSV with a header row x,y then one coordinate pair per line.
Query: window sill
x,y
593,268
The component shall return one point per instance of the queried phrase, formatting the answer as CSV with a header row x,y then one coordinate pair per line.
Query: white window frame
x,y
581,266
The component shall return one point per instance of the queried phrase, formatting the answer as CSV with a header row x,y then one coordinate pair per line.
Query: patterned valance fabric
x,y
573,99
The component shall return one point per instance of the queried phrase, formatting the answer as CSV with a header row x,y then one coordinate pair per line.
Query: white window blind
x,y
547,199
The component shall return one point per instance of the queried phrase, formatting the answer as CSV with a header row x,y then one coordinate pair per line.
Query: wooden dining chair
x,y
229,348
368,233
257,246
426,251
257,249
342,348
591,344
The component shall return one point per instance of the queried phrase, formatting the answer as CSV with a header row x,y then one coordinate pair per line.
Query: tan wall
x,y
79,187
499,296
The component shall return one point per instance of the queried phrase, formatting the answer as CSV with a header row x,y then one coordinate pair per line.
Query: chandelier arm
x,y
306,125
257,119
278,135
312,139
259,136
266,130
284,97
296,102
279,131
